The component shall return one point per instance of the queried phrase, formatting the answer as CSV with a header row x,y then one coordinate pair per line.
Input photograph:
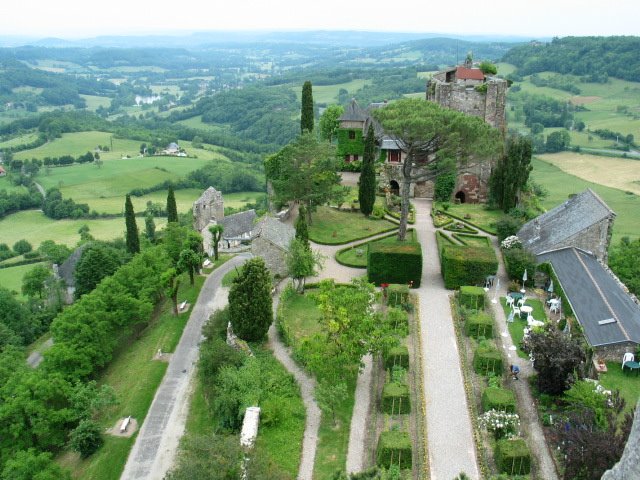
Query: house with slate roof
x,y
66,272
608,315
272,244
238,228
584,221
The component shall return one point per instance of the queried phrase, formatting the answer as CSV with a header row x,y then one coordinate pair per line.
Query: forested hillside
x,y
593,58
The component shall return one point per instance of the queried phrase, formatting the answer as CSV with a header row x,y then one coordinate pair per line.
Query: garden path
x,y
529,419
156,445
449,432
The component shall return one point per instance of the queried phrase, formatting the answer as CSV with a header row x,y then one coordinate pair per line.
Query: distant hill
x,y
594,58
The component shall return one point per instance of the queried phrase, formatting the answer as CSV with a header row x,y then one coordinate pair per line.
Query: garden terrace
x,y
356,255
335,227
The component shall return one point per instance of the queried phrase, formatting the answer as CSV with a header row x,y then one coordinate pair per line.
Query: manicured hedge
x,y
472,297
397,294
395,398
487,359
397,356
496,398
394,448
398,262
467,265
479,324
513,457
516,260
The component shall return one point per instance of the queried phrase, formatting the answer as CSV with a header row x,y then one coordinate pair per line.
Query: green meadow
x,y
329,93
560,184
11,278
94,102
21,140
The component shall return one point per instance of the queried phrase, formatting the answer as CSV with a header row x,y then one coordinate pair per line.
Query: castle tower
x,y
209,207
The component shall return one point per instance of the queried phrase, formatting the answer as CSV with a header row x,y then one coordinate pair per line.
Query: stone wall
x,y
423,189
274,257
594,239
615,352
206,210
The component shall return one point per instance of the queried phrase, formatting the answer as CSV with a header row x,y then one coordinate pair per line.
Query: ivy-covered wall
x,y
348,146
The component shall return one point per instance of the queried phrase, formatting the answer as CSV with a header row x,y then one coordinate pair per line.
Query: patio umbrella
x,y
550,289
524,277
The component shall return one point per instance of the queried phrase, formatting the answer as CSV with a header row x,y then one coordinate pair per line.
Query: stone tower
x,y
207,209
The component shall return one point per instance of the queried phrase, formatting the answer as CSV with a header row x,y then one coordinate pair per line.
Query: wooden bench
x,y
125,424
182,306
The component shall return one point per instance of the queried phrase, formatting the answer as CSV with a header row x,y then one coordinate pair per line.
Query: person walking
x,y
515,370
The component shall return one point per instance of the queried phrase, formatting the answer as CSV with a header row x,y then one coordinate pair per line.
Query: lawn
x,y
628,384
11,278
329,93
35,227
196,122
516,328
335,227
620,173
479,215
135,377
300,314
21,140
5,184
356,255
560,184
94,102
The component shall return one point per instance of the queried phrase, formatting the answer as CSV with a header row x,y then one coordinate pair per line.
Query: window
x,y
347,158
352,135
355,158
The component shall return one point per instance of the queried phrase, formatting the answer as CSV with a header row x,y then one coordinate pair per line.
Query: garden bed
x,y
335,227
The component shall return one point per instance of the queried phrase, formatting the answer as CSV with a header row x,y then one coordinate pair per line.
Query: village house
x,y
174,149
272,244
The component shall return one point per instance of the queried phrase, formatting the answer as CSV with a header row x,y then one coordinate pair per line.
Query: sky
x,y
531,18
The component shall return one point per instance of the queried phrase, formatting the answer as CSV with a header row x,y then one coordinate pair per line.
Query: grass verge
x,y
516,328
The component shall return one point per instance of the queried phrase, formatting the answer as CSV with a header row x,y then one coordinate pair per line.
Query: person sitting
x,y
515,370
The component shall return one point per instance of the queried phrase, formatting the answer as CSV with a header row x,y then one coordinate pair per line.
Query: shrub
x,y
397,295
487,359
467,265
395,398
398,320
444,186
86,438
496,398
397,356
394,448
22,246
507,226
399,262
472,297
500,424
478,324
517,260
513,457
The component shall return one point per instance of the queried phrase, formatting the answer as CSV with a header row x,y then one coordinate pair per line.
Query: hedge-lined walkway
x,y
449,430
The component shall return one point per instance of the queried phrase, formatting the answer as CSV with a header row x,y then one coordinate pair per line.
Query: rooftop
x,y
276,232
464,73
353,113
606,312
237,224
208,195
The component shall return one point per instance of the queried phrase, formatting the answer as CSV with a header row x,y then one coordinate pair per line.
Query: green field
x,y
79,143
94,102
11,278
21,140
35,227
329,93
561,184
5,184
196,122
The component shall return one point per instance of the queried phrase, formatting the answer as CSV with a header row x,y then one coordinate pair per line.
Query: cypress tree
x,y
172,209
150,227
250,305
306,118
302,230
367,183
133,241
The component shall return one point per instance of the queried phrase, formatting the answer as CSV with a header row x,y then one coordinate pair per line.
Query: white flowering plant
x,y
500,424
511,242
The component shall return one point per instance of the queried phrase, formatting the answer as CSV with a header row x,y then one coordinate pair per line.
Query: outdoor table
x,y
516,296
632,366
526,309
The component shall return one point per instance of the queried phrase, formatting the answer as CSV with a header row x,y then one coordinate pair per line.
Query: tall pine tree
x,y
306,118
172,209
367,183
133,240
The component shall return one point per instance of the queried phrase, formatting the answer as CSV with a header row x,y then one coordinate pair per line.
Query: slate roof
x,y
550,229
464,73
595,295
353,113
237,224
389,143
67,269
208,195
276,232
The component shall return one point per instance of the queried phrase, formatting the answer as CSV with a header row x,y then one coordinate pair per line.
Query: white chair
x,y
628,357
509,301
530,318
516,311
555,307
522,301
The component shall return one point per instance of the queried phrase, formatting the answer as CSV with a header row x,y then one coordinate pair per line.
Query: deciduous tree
x,y
189,262
330,122
511,172
250,304
34,281
431,139
133,239
96,263
216,236
302,262
367,182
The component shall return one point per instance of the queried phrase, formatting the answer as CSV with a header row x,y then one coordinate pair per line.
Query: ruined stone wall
x,y
594,239
614,353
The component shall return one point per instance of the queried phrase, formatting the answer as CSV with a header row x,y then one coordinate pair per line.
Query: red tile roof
x,y
463,73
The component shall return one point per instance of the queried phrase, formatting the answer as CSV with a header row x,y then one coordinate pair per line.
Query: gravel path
x,y
449,431
526,407
35,358
153,453
356,461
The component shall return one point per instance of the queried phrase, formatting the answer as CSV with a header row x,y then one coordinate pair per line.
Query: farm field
x,y
35,227
11,278
560,184
196,122
94,102
5,184
620,173
329,93
21,140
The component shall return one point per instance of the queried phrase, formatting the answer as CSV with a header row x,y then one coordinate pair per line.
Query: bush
x,y
517,260
472,297
467,265
397,356
31,255
395,399
513,457
86,438
397,295
479,324
398,320
394,448
21,247
496,398
399,262
444,186
487,359
507,226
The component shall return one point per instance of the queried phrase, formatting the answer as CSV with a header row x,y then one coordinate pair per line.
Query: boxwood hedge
x,y
487,359
496,398
478,324
397,356
472,297
467,265
395,262
394,448
513,457
395,399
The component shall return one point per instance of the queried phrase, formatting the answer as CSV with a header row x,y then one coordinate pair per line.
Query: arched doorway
x,y
394,188
460,196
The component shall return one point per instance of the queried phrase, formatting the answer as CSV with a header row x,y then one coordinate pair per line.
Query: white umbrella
x,y
524,277
550,289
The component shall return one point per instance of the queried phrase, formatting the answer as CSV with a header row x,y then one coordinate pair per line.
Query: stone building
x,y
584,221
272,244
239,228
66,272
208,209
